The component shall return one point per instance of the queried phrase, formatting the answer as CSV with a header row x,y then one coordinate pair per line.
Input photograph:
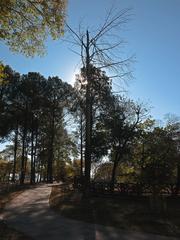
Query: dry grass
x,y
128,213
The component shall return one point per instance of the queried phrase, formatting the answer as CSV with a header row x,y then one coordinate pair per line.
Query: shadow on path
x,y
30,213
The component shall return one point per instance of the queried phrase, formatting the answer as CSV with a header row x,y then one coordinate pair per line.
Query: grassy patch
x,y
128,213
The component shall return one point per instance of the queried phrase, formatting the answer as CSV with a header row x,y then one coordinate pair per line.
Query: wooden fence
x,y
128,188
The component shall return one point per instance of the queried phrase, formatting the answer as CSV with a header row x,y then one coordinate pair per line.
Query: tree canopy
x,y
25,25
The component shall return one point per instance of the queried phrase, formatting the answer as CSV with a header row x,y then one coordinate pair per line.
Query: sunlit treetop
x,y
2,74
25,24
1,71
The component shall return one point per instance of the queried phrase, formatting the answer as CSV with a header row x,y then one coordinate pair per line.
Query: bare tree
x,y
100,48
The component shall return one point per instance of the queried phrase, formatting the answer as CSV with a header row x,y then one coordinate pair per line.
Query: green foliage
x,y
24,25
155,156
77,167
119,124
160,150
125,172
35,108
5,169
100,99
103,172
2,74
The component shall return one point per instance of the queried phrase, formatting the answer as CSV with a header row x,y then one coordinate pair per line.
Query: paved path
x,y
30,213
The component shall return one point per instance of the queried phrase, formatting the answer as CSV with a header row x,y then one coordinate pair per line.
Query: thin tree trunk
x,y
22,177
178,179
15,154
26,159
81,130
88,122
113,177
35,153
32,156
50,154
23,156
50,163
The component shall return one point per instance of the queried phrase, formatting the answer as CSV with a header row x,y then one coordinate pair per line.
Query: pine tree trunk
x,y
50,154
32,157
50,163
35,153
25,162
15,154
88,122
81,131
22,176
113,177
178,179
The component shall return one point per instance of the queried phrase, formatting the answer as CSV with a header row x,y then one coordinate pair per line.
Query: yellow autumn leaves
x,y
3,75
25,25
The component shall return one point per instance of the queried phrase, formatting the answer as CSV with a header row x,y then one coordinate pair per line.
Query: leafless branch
x,y
112,22
79,38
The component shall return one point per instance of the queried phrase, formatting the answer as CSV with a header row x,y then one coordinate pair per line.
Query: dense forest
x,y
44,122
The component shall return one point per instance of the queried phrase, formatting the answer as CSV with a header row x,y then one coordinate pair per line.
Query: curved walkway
x,y
30,213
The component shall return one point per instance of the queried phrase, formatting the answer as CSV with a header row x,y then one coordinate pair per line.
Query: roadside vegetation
x,y
130,213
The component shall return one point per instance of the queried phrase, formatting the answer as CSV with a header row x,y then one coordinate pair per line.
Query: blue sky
x,y
153,35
